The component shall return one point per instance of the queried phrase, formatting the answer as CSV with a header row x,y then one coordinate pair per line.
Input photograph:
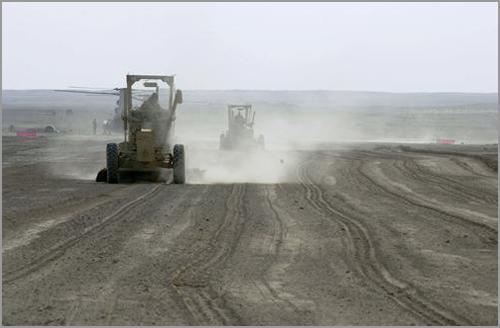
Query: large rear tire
x,y
179,165
112,162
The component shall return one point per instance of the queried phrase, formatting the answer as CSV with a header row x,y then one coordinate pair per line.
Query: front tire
x,y
112,162
179,165
102,175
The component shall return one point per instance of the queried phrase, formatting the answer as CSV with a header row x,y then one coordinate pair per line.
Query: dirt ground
x,y
357,234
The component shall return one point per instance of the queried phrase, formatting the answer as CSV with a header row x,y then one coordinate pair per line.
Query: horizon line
x,y
284,90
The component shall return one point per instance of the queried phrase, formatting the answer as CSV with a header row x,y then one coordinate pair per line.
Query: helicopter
x,y
113,124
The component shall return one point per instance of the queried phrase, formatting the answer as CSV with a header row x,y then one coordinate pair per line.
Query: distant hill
x,y
49,99
344,98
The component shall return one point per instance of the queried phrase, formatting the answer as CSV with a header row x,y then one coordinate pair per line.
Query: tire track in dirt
x,y
459,159
58,214
463,164
362,256
279,232
105,303
488,233
414,171
192,281
410,168
60,248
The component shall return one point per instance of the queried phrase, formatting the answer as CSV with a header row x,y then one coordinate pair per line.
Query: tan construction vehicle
x,y
239,135
148,133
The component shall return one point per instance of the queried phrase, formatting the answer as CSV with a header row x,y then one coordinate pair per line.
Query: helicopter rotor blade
x,y
110,93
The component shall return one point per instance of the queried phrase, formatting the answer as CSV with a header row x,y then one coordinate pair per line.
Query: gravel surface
x,y
359,234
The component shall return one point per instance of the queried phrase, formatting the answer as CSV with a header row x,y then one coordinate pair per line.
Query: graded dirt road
x,y
366,234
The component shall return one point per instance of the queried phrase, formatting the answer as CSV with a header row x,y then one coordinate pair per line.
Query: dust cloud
x,y
290,130
75,157
206,166
285,137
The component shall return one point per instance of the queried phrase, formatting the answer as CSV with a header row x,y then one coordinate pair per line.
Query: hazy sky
x,y
340,46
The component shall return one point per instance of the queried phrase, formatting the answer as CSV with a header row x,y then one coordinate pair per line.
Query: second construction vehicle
x,y
240,119
148,128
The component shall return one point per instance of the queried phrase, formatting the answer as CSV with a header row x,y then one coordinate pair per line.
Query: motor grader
x,y
240,135
148,133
